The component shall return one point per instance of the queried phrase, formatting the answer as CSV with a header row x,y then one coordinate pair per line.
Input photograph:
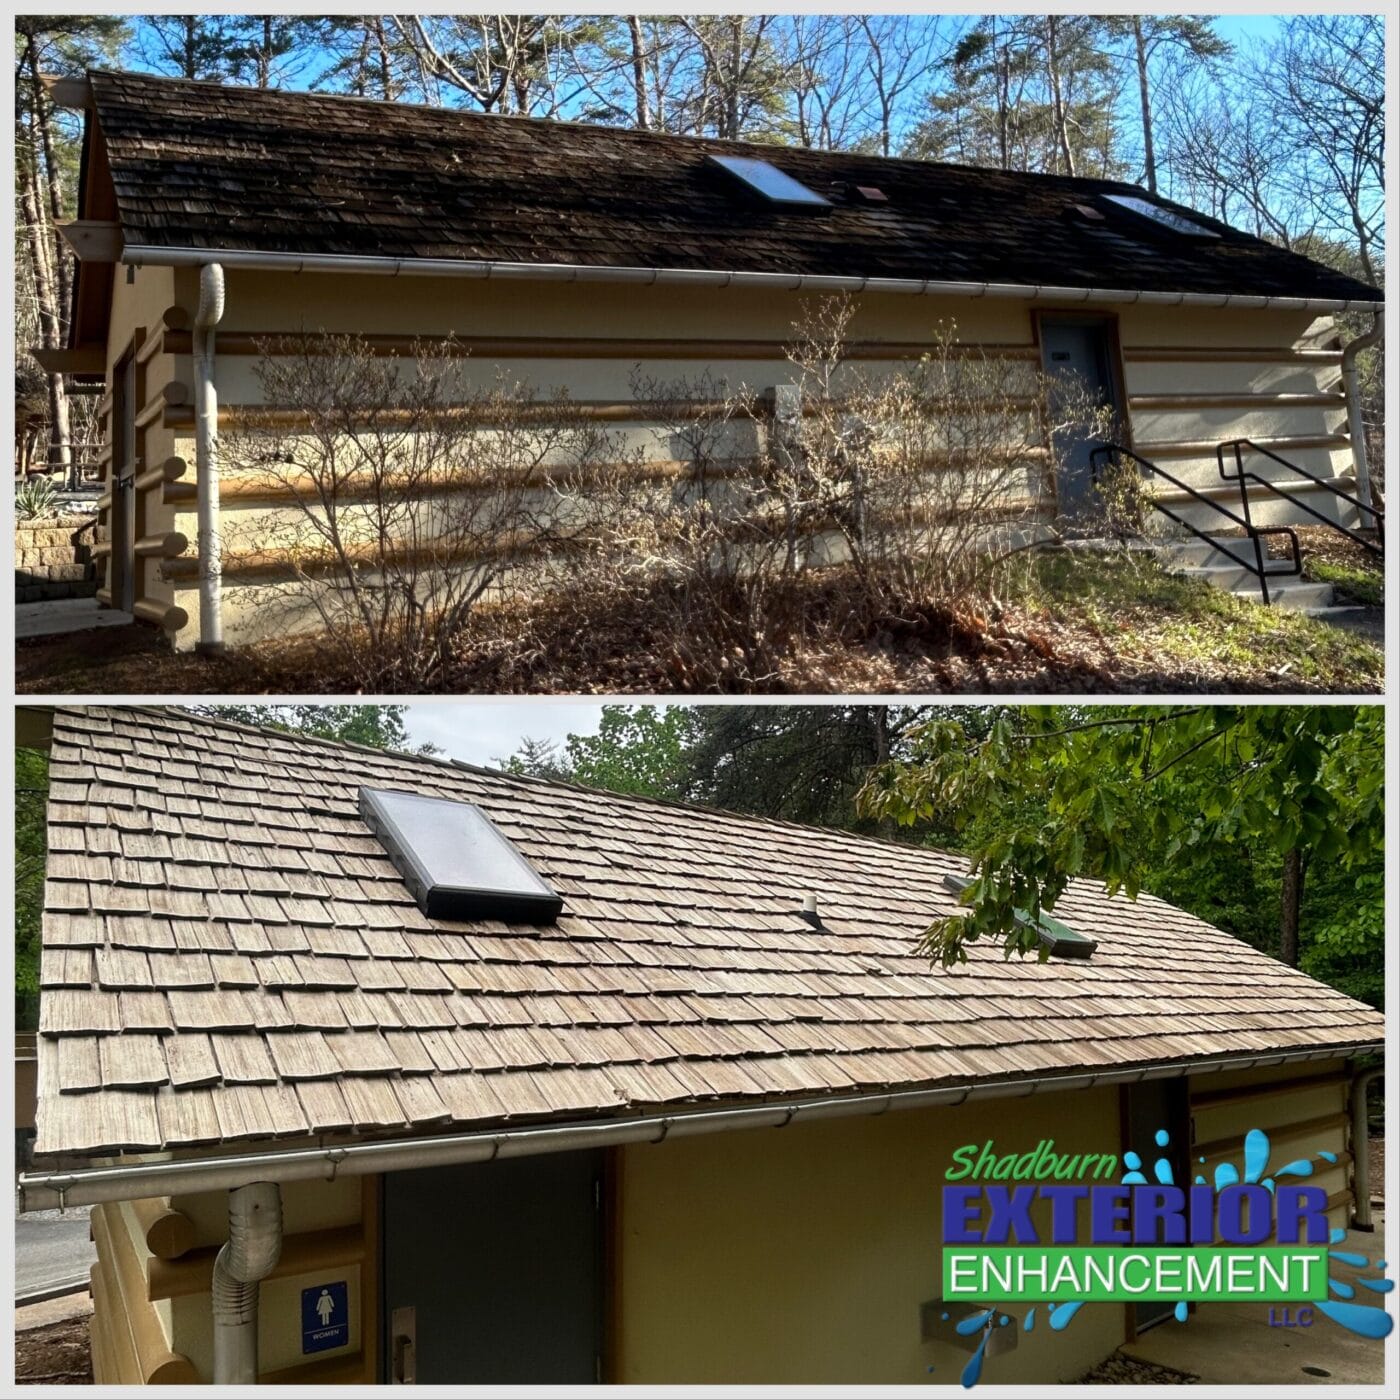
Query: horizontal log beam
x,y
1230,1143
179,493
1187,403
306,1253
93,240
168,1232
155,410
1250,1093
1234,354
591,347
1154,450
168,545
101,550
172,469
165,615
81,359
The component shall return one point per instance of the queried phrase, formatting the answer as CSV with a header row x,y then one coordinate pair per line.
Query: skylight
x,y
770,182
454,861
1058,940
1167,218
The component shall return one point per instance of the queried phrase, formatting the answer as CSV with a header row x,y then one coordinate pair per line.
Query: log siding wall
x,y
1192,377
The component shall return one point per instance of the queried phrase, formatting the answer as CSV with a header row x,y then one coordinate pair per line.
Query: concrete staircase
x,y
1194,558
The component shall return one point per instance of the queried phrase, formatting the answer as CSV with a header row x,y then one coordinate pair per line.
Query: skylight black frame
x,y
524,897
735,166
1150,214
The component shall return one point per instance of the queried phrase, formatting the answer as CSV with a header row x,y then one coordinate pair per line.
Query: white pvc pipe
x,y
1356,427
141,254
206,450
254,1246
94,1185
1361,1149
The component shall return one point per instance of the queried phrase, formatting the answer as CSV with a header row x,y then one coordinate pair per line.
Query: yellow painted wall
x,y
286,303
802,1255
1305,1097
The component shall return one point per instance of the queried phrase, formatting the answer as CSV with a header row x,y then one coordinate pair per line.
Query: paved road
x,y
51,1247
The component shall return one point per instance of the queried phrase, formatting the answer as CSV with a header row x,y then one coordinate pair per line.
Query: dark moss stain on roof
x,y
198,165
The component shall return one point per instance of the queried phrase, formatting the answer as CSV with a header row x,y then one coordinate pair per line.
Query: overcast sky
x,y
487,731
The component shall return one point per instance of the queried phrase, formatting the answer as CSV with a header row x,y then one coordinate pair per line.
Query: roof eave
x,y
139,254
46,1190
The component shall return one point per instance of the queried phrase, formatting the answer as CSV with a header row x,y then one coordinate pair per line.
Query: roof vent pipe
x,y
1351,387
809,912
206,453
253,1249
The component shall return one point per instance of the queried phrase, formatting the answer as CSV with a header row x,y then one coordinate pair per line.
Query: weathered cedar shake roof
x,y
197,165
228,954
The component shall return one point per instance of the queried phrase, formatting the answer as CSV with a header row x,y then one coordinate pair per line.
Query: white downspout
x,y
1356,429
253,1249
206,450
1361,1149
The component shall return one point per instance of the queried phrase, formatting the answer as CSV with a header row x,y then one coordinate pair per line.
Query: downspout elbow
x,y
254,1246
206,433
1351,388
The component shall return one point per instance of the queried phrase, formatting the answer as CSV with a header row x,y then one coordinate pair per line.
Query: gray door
x,y
1158,1105
495,1271
1078,358
124,492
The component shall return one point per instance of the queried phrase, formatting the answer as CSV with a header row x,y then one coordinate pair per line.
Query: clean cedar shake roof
x,y
197,165
228,954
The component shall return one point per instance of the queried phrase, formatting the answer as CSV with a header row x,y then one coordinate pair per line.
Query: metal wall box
x,y
455,861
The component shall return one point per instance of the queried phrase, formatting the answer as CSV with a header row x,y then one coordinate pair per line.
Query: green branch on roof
x,y
1049,795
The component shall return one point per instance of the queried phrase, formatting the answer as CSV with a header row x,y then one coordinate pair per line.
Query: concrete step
x,y
1198,552
1284,592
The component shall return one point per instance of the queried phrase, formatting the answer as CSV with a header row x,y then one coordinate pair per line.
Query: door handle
x,y
404,1364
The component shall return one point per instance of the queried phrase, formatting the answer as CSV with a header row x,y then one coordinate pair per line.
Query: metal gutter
x,y
490,270
94,1185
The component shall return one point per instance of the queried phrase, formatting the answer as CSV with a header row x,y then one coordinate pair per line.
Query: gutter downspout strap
x,y
206,431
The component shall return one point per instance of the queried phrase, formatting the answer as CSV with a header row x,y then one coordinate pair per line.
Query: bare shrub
x,y
401,498
922,483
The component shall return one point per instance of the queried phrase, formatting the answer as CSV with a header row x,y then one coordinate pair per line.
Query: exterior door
x,y
1078,355
1158,1105
124,490
492,1272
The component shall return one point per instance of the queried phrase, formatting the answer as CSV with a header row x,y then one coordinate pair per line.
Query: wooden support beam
x,y
175,392
179,493
1291,1133
169,545
93,240
101,550
104,595
64,91
81,359
175,318
154,410
165,615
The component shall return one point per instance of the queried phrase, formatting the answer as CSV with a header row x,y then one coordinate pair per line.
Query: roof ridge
x,y
525,779
649,137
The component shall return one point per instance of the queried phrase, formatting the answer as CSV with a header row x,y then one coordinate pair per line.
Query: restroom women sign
x,y
325,1317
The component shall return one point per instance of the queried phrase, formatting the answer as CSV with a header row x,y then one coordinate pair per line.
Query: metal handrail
x,y
1254,533
1237,444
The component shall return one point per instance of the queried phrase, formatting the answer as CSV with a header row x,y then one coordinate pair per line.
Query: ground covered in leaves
x,y
1075,623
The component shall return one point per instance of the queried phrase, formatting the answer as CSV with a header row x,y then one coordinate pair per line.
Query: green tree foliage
x,y
1171,800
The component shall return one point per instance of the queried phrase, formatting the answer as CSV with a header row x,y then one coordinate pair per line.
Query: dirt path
x,y
54,1355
